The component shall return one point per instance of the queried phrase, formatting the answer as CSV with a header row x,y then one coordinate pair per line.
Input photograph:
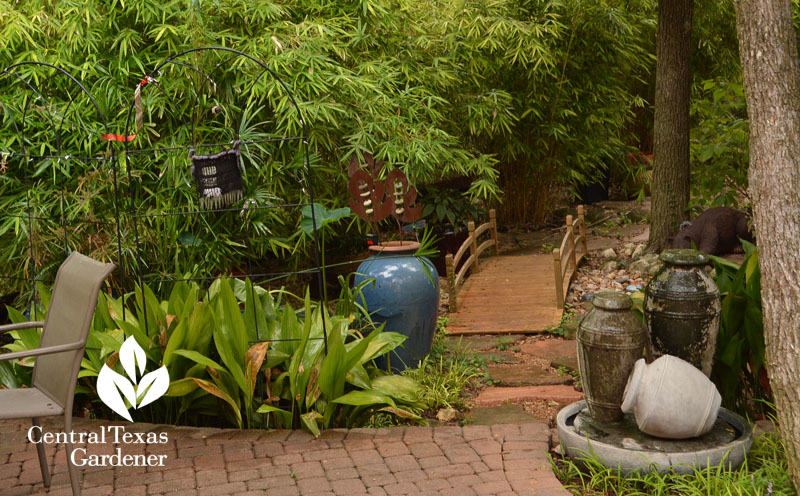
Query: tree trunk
x,y
768,49
671,121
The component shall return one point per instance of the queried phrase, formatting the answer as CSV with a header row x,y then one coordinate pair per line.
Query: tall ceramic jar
x,y
682,307
405,297
610,340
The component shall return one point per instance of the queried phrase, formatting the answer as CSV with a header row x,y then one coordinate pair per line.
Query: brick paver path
x,y
496,460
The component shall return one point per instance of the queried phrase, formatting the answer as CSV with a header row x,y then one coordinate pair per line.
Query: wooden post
x,y
573,261
473,247
493,222
557,272
582,229
451,281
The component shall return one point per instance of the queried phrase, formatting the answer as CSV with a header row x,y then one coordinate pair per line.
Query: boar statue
x,y
716,231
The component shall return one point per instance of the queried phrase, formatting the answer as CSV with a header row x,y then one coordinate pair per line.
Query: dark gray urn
x,y
682,307
610,340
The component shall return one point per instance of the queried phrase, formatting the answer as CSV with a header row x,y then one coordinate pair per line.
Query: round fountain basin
x,y
621,445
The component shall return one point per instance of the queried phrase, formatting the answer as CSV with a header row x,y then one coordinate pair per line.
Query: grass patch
x,y
447,373
764,472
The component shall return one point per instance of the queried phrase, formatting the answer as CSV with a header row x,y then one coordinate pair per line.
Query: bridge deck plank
x,y
510,294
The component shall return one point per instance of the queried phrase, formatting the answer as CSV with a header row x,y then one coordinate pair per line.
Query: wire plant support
x,y
53,128
208,102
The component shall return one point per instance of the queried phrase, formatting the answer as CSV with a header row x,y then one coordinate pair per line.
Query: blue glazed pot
x,y
403,297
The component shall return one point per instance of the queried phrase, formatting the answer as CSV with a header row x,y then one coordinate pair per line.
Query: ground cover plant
x,y
244,351
448,374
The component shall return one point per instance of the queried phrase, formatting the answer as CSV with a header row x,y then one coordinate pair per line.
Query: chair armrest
x,y
47,350
21,325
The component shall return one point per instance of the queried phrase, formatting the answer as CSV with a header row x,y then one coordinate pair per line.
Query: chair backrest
x,y
69,318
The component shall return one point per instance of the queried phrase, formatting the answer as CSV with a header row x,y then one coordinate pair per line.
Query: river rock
x,y
646,263
629,248
609,266
609,253
447,414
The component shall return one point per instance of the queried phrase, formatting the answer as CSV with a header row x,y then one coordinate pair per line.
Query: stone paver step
x,y
526,374
550,349
494,396
503,414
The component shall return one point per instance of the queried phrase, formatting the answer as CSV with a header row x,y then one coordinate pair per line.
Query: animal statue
x,y
716,231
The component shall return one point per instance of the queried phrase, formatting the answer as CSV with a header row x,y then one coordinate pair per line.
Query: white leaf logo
x,y
139,393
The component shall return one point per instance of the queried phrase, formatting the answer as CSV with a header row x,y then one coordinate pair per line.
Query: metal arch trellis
x,y
156,79
31,79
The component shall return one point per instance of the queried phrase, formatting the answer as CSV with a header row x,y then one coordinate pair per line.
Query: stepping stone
x,y
496,396
503,414
491,357
481,343
527,374
551,349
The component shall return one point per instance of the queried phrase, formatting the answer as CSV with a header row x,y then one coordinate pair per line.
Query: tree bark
x,y
671,121
768,50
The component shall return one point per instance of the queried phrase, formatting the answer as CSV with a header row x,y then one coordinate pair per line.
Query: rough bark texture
x,y
768,49
671,121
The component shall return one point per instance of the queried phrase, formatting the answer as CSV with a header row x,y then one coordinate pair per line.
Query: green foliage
x,y
316,217
445,206
321,215
715,48
547,86
719,144
440,90
559,329
265,366
503,344
739,359
445,373
764,472
364,79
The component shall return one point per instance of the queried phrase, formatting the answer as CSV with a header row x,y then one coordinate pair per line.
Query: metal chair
x,y
64,334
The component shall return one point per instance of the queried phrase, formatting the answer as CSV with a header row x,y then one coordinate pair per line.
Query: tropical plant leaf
x,y
364,398
322,216
253,361
230,336
182,387
271,409
200,359
219,393
309,420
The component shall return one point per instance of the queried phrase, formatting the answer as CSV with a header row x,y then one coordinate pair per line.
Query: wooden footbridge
x,y
515,293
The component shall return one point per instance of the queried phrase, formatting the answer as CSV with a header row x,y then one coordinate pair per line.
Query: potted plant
x,y
404,294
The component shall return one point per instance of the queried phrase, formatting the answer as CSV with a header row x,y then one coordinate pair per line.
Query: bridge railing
x,y
567,257
455,280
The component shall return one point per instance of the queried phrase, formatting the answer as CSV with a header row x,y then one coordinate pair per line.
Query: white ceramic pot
x,y
670,398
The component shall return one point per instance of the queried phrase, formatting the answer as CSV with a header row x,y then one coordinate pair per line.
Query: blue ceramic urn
x,y
404,297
